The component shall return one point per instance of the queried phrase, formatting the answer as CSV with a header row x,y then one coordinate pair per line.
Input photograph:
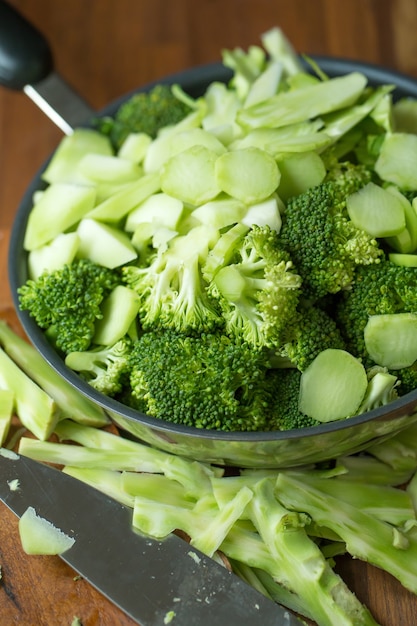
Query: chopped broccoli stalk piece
x,y
105,368
406,241
144,112
207,381
70,401
366,537
119,309
397,160
258,291
190,175
337,376
391,339
399,452
376,211
381,390
54,255
106,480
69,301
299,172
6,413
39,536
103,244
36,410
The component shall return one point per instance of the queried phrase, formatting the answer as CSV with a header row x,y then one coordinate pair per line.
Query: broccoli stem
x,y
6,413
69,400
366,537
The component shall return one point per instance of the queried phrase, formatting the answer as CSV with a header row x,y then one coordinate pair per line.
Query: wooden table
x,y
104,49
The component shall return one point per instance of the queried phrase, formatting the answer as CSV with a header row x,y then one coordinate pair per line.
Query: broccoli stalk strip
x,y
377,472
258,291
324,244
70,402
207,381
399,452
67,302
366,537
304,570
171,289
105,368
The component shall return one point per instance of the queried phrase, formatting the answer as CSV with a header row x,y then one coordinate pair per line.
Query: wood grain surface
x,y
105,48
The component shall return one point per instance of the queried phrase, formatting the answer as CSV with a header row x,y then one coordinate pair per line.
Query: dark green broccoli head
x,y
325,246
258,291
283,387
207,381
384,288
144,112
68,301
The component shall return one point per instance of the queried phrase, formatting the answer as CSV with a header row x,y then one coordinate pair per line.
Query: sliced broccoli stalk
x,y
391,339
406,241
404,113
104,244
337,376
299,172
303,568
159,208
399,452
100,168
118,205
134,147
63,166
105,480
397,160
70,401
6,413
119,309
221,105
366,537
296,138
223,251
402,258
265,213
39,536
248,174
307,102
45,222
265,85
54,255
190,175
376,471
376,211
221,212
36,410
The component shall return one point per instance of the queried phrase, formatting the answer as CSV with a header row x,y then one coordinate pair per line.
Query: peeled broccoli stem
x,y
69,400
366,537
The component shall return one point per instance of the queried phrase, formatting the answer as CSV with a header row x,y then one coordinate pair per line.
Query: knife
x,y
26,64
154,582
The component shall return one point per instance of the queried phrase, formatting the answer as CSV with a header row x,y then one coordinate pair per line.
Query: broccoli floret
x,y
207,381
172,291
384,288
104,367
313,330
258,291
284,388
324,244
68,301
144,112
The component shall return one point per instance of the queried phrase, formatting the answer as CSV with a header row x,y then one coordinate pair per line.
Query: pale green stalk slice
x,y
119,310
103,244
406,241
134,147
39,536
190,175
299,172
53,256
376,211
159,208
401,258
63,167
333,386
6,413
305,103
397,160
220,212
108,168
250,174
117,206
391,340
61,206
265,213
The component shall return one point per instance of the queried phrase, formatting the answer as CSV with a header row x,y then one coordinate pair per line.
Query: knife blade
x,y
152,581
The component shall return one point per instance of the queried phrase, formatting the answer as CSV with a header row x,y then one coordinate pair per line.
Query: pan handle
x,y
26,64
25,56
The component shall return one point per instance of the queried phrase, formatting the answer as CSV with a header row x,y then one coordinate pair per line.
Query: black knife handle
x,y
25,55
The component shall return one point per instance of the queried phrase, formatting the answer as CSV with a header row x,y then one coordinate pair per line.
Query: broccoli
x,y
171,288
313,330
258,291
67,301
104,367
144,112
283,386
325,246
207,381
379,289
